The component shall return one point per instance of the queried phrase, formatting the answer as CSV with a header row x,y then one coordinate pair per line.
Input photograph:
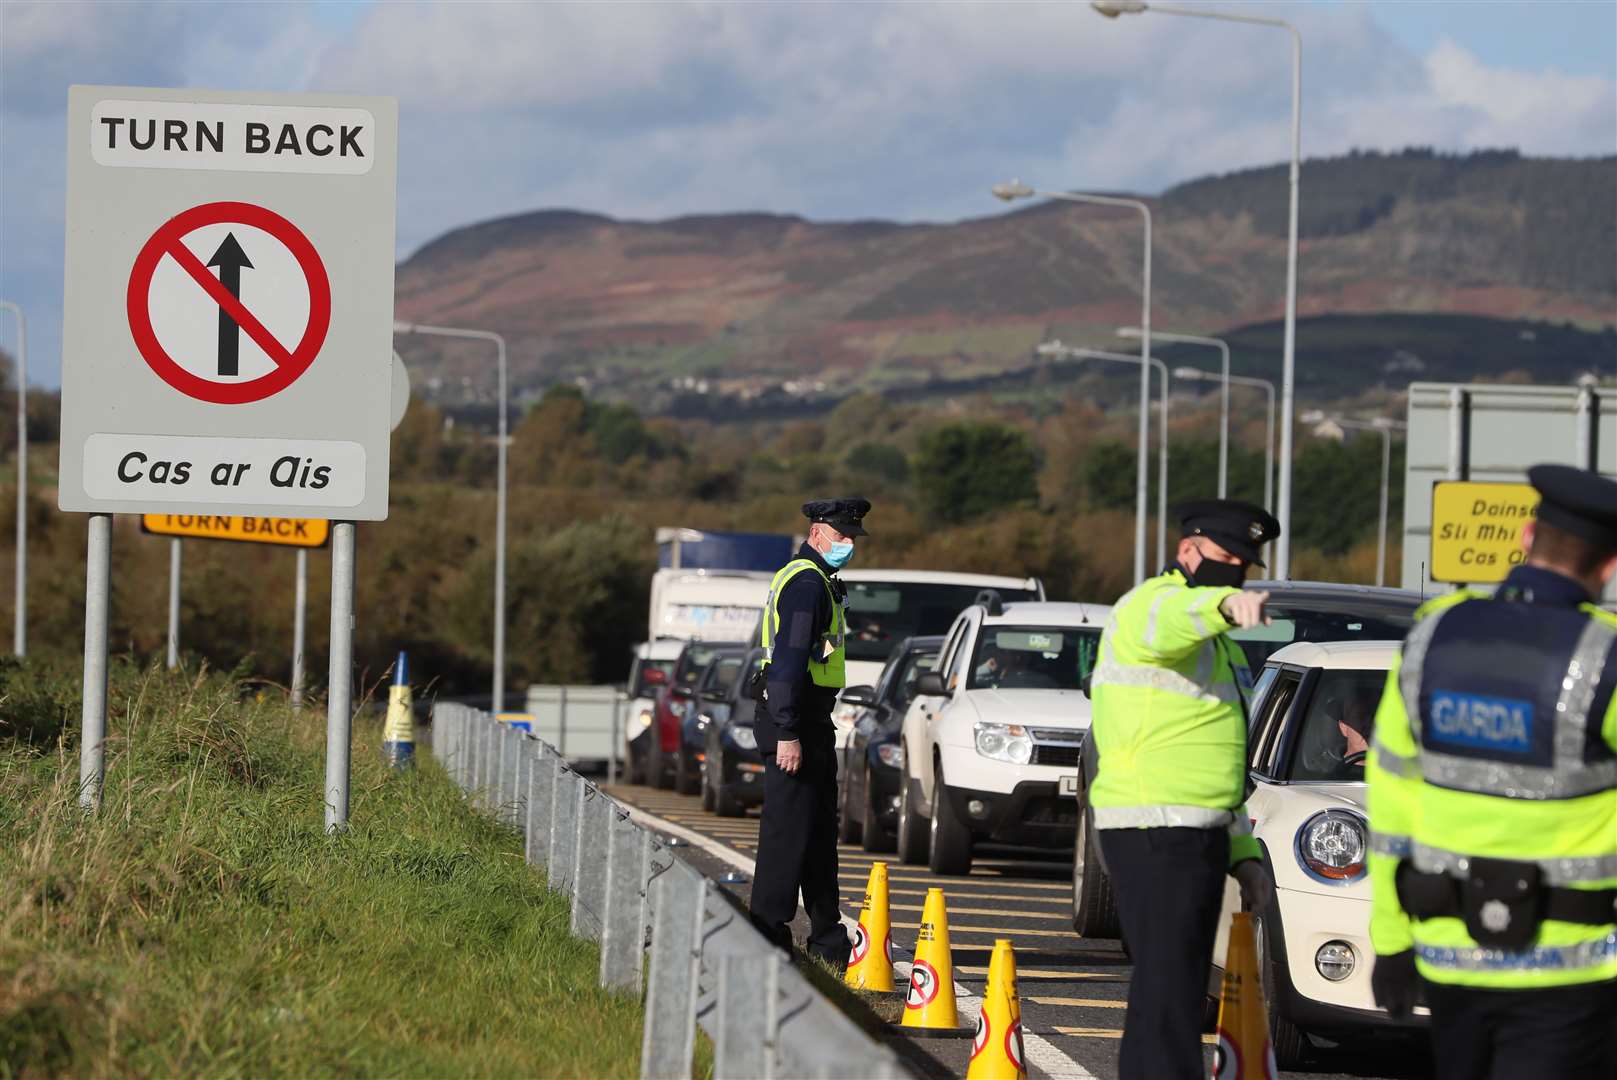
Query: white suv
x,y
991,741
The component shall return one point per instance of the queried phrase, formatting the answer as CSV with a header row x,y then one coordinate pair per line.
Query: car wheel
x,y
951,838
848,826
874,836
686,777
1094,907
708,795
1292,1048
912,826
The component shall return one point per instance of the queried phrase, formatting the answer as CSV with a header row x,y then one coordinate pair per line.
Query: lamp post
x,y
498,704
19,625
1386,427
1056,348
1112,9
1018,190
1268,431
1223,348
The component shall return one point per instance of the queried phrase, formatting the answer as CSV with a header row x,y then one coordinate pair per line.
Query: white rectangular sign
x,y
228,317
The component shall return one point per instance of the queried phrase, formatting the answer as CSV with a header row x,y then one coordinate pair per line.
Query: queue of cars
x,y
964,725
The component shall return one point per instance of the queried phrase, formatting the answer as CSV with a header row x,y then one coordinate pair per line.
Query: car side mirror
x,y
864,696
930,685
1086,685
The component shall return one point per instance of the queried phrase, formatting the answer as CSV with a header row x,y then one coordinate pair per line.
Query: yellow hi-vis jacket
x,y
828,666
1438,810
1169,719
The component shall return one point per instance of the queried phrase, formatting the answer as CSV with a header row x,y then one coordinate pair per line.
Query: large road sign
x,y
287,532
227,325
1477,529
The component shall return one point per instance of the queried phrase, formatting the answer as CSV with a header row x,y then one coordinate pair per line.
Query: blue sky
x,y
881,109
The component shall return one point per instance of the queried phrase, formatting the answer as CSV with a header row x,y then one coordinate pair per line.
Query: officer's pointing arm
x,y
794,644
1181,619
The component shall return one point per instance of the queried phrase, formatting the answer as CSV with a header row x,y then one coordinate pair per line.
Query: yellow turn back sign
x,y
292,532
1477,529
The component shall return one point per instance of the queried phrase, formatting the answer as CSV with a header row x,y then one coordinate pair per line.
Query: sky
x,y
906,111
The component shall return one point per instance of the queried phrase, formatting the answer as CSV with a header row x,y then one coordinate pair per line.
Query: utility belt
x,y
1502,902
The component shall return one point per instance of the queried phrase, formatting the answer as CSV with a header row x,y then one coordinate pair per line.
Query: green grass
x,y
203,924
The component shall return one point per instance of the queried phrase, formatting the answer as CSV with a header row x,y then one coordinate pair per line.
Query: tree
x,y
967,469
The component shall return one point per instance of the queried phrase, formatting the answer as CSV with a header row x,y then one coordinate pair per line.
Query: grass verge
x,y
202,923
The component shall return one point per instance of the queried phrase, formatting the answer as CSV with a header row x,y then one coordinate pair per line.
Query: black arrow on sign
x,y
230,258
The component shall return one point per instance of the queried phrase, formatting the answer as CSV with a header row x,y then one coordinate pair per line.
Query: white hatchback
x,y
992,737
1313,710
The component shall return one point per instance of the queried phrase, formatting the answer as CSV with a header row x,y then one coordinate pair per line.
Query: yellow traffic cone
x,y
871,964
930,1000
996,1050
1243,1051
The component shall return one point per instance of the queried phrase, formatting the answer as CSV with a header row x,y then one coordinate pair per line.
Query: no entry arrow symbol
x,y
230,258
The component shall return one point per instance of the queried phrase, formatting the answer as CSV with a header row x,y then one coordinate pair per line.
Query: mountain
x,y
736,307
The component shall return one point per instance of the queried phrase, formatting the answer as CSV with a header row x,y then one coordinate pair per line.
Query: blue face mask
x,y
841,551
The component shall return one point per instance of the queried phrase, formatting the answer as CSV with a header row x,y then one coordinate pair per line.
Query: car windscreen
x,y
644,687
1033,657
1322,621
1335,730
723,672
692,662
883,613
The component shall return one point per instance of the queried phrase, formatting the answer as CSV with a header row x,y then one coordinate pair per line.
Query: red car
x,y
674,702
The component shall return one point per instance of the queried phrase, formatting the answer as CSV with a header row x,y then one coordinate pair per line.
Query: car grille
x,y
1066,754
1057,735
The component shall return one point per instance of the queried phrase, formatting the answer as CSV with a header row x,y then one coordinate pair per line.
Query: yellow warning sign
x,y
1477,529
291,532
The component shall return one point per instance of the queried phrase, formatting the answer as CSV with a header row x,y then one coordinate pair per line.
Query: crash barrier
x,y
581,722
659,922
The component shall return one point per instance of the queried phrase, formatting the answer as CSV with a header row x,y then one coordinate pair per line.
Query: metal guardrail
x,y
704,962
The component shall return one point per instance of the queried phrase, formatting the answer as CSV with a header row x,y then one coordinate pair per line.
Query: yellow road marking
x,y
1083,1003
994,896
942,882
1044,973
975,911
1111,1033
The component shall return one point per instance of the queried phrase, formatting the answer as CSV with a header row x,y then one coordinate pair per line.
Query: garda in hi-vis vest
x,y
829,669
1482,757
1169,716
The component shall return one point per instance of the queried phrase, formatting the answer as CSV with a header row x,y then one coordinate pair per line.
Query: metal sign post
x,y
97,583
174,603
299,618
246,243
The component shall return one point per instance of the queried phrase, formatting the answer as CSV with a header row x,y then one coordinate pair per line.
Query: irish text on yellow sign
x,y
290,532
1477,529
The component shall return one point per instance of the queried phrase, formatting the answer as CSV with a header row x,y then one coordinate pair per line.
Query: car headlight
x,y
890,755
1331,847
642,722
743,736
1004,742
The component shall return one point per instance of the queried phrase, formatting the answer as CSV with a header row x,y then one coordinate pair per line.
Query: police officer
x,y
1168,794
1493,807
804,626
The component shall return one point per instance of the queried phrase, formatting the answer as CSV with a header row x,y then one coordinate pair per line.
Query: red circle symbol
x,y
923,986
289,363
861,945
979,1039
1013,1045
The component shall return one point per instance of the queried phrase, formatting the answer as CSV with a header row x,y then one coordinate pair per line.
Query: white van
x,y
706,605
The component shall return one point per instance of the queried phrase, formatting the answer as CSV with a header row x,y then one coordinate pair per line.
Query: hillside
x,y
731,307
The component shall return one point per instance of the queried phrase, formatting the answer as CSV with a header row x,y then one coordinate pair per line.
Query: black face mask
x,y
1210,574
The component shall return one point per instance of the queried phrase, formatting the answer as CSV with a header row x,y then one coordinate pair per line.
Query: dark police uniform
x,y
1493,815
1167,794
797,835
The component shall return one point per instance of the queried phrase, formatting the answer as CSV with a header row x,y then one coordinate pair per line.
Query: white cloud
x,y
902,110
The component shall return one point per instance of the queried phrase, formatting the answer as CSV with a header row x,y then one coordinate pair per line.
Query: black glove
x,y
1395,984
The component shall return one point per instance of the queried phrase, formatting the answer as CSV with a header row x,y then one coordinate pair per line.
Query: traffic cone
x,y
996,1049
930,1000
1243,1051
870,966
398,737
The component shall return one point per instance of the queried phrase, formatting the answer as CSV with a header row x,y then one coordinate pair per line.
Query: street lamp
x,y
1386,427
1056,348
1112,9
19,626
1269,431
498,704
1223,348
1018,190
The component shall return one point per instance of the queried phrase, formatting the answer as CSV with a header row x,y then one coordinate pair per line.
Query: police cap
x,y
1577,501
1240,528
846,516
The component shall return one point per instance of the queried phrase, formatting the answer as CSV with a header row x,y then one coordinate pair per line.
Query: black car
x,y
732,768
722,670
1298,611
872,764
